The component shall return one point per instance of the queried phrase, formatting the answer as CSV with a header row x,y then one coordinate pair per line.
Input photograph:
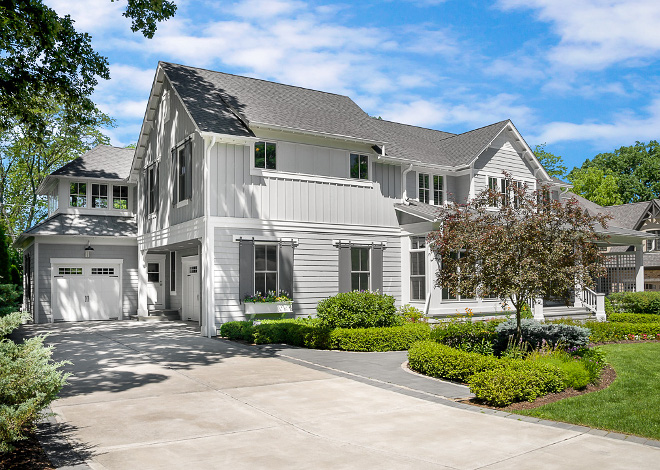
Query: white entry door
x,y
81,290
155,282
191,293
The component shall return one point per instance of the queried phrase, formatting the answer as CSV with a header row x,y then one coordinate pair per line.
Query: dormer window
x,y
120,197
359,166
99,196
438,190
265,155
424,191
78,195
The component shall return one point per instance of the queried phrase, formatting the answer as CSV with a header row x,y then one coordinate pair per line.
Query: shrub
x,y
636,302
412,314
593,360
444,362
29,381
468,336
298,332
358,309
396,338
518,380
602,332
574,373
633,318
9,296
242,330
536,333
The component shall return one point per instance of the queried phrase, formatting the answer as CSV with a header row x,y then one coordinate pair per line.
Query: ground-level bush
x,y
242,330
574,372
358,309
636,302
471,336
396,338
602,332
633,318
444,362
536,334
29,381
517,380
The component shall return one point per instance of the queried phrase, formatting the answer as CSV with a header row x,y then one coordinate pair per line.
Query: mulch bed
x,y
606,378
27,455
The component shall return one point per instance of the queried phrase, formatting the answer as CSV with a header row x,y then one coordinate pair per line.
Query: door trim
x,y
186,262
160,259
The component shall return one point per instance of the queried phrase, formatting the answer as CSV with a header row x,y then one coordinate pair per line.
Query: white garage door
x,y
82,291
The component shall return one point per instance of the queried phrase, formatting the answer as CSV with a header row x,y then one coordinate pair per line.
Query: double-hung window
x,y
182,172
654,243
359,166
120,197
446,293
78,195
424,189
152,191
173,272
99,196
418,268
265,268
265,155
438,190
360,272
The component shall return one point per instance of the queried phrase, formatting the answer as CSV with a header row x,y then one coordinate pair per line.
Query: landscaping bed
x,y
27,454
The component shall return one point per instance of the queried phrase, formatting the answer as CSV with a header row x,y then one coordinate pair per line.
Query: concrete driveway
x,y
158,396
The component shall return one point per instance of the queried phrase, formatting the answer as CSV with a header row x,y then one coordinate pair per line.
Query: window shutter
x,y
246,268
377,268
174,169
344,268
145,191
286,268
188,145
156,186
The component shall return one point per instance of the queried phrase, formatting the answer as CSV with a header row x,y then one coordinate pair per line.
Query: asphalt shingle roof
x,y
462,149
214,100
420,209
411,142
627,215
103,161
85,225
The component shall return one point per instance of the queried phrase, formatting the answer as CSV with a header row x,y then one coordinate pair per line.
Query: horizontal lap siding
x,y
315,269
503,158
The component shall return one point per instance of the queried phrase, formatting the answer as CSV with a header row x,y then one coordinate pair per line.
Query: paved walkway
x,y
158,396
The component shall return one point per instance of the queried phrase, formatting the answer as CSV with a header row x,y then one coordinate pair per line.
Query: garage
x,y
83,289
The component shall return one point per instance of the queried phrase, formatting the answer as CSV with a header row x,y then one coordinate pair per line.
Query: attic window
x,y
78,195
100,196
265,155
359,166
120,197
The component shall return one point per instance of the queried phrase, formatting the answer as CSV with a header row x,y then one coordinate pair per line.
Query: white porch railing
x,y
594,302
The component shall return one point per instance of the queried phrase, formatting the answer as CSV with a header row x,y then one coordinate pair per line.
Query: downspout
x,y
207,292
404,184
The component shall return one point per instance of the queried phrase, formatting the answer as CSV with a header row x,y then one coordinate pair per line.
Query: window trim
x,y
128,197
416,251
426,189
99,196
253,157
173,272
430,190
442,191
266,271
369,261
359,155
153,182
78,194
175,169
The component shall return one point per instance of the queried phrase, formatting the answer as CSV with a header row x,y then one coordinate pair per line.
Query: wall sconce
x,y
88,250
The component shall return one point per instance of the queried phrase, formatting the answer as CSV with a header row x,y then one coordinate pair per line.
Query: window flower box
x,y
267,309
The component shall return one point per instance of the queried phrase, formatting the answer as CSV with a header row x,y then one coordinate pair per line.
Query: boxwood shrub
x,y
242,330
470,336
358,309
602,332
534,333
633,318
636,302
444,362
396,338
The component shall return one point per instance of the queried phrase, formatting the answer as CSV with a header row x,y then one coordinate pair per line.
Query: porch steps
x,y
159,315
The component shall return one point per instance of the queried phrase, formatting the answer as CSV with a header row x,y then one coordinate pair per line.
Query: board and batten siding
x,y
501,156
315,268
129,272
281,197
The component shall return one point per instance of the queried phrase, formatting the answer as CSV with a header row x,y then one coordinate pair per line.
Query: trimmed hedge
x,y
242,330
444,362
602,332
633,318
358,309
395,338
534,333
472,336
636,302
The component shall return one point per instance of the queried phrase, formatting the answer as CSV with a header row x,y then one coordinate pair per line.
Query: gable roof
x,y
463,149
230,104
411,142
103,161
628,215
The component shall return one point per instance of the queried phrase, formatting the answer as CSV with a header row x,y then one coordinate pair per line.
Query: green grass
x,y
630,405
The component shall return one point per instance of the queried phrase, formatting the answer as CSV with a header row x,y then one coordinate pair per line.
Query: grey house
x,y
241,185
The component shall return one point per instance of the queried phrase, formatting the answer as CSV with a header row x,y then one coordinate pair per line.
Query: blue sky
x,y
580,75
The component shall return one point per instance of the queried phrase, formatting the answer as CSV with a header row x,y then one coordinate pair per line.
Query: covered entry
x,y
84,289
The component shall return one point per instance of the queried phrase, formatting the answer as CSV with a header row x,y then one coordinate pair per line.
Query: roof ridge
x,y
483,127
632,203
412,125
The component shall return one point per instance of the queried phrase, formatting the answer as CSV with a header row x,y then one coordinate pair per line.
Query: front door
x,y
191,293
155,282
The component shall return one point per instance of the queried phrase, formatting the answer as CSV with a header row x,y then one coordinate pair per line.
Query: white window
x,y
70,271
507,193
120,197
182,171
423,188
78,194
173,272
53,202
265,268
265,155
99,196
438,190
446,294
417,268
103,271
152,181
359,166
653,244
360,272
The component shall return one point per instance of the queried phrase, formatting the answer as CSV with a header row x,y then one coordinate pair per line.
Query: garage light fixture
x,y
88,250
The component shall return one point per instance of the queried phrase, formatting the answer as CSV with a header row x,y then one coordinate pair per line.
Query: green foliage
x,y
553,164
5,278
537,334
358,309
609,308
574,373
516,381
306,332
633,317
593,360
396,338
9,296
29,382
603,332
411,314
636,302
469,336
444,362
599,186
242,330
9,323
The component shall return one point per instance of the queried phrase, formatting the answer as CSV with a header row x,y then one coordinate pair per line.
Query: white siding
x,y
502,156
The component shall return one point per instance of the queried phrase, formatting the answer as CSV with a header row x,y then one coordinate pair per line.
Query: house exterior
x,y
241,185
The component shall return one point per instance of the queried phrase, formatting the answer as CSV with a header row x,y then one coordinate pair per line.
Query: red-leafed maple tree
x,y
517,245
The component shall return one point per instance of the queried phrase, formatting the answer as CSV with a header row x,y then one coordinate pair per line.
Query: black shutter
x,y
344,268
286,268
188,145
246,268
174,169
156,186
377,268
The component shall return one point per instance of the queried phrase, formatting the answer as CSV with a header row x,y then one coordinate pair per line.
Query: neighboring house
x,y
245,186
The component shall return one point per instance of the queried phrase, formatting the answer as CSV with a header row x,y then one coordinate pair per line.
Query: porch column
x,y
639,268
142,283
537,309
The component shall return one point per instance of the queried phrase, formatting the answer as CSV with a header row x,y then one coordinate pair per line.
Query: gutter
x,y
404,196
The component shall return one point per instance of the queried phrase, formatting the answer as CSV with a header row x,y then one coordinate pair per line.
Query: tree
x,y
26,159
596,185
553,164
530,248
636,168
43,56
5,262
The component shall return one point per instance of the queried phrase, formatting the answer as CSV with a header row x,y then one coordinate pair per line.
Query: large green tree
x,y
43,56
636,169
596,185
553,164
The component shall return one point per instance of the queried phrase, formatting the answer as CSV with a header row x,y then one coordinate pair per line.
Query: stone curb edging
x,y
56,445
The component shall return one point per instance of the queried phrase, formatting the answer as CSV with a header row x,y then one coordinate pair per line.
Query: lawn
x,y
630,405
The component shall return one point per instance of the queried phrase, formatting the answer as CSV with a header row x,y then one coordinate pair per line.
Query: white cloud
x,y
92,16
265,8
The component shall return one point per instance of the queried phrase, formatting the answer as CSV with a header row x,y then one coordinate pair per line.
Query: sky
x,y
580,76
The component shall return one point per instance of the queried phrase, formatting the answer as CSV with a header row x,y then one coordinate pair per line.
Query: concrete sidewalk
x,y
158,396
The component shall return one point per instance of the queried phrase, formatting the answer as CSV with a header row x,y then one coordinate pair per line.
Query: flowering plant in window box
x,y
273,304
